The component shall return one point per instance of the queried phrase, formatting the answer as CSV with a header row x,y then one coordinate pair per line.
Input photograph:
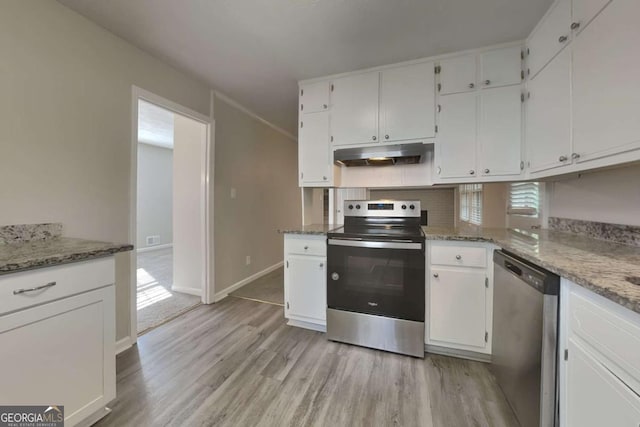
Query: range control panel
x,y
382,208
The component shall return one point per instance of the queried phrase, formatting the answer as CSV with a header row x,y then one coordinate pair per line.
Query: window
x,y
471,203
524,199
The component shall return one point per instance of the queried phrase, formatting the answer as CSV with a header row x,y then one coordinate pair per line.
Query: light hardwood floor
x,y
269,288
237,363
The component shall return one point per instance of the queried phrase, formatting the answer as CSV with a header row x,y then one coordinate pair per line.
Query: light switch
x,y
233,193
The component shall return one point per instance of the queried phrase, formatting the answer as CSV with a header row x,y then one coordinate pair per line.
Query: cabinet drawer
x,y
458,256
309,247
610,329
69,279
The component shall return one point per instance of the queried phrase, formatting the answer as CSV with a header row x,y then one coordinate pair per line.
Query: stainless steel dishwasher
x,y
525,336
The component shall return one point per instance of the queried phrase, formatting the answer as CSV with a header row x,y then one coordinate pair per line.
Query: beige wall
x,y
438,201
611,196
155,199
261,165
65,124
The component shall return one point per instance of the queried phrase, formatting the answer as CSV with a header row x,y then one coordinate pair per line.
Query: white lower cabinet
x,y
305,281
600,360
459,298
60,351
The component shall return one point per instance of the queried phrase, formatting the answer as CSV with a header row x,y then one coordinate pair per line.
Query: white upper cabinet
x,y
458,74
606,89
354,109
314,97
501,67
584,11
500,131
548,124
456,140
407,102
549,37
314,152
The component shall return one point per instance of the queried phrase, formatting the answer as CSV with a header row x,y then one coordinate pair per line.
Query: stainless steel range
x,y
376,277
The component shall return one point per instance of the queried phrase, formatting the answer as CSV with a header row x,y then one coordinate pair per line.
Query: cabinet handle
x,y
472,172
386,137
487,82
575,25
562,39
37,288
486,171
458,257
471,85
436,275
575,156
439,108
562,158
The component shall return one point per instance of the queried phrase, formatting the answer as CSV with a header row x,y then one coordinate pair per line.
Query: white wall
x,y
155,194
189,150
611,196
65,124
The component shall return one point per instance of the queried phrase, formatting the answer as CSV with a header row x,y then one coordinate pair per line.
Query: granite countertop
x,y
598,265
30,254
315,229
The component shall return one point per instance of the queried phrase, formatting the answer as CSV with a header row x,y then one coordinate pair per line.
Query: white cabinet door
x,y
595,397
314,97
314,151
354,109
501,67
606,89
407,102
456,140
458,74
457,307
62,352
548,123
583,12
500,131
306,288
549,37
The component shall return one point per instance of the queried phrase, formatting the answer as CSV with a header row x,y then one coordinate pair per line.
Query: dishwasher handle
x,y
513,268
535,276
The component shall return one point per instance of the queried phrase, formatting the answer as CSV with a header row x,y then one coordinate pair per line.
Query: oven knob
x,y
350,206
404,206
335,276
412,207
357,206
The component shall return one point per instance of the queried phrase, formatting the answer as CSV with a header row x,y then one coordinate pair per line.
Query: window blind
x,y
471,203
524,199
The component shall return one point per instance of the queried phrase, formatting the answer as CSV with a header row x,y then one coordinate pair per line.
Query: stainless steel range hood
x,y
401,154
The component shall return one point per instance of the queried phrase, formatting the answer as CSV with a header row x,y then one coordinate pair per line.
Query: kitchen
x,y
519,141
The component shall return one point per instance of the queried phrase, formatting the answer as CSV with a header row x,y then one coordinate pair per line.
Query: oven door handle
x,y
375,245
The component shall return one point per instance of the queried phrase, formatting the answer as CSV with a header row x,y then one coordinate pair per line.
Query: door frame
x,y
206,224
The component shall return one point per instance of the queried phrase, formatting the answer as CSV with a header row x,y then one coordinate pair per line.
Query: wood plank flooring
x,y
237,363
268,288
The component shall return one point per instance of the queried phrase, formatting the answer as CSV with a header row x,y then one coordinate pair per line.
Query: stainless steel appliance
x,y
384,155
525,335
376,277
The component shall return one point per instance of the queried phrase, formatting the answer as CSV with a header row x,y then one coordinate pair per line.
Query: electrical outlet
x,y
153,240
234,193
248,260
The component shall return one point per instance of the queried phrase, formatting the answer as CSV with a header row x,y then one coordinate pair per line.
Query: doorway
x,y
170,227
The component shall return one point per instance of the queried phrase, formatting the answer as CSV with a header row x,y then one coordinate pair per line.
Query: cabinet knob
x,y
562,158
472,172
386,137
321,265
487,171
562,39
324,177
575,156
324,106
306,247
436,275
487,82
458,257
335,276
575,25
471,85
374,137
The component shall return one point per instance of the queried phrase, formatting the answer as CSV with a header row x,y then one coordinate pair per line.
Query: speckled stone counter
x,y
27,255
597,265
317,229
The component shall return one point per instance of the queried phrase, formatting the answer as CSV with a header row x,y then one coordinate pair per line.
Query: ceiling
x,y
155,125
256,50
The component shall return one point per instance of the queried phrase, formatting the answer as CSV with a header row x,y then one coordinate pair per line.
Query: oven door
x,y
385,278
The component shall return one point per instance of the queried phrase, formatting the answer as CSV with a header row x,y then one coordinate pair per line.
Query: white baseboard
x,y
225,292
123,344
154,248
190,291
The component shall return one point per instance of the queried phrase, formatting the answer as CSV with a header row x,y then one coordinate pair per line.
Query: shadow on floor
x,y
268,288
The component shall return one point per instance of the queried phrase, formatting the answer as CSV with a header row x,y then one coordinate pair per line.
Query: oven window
x,y
375,276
